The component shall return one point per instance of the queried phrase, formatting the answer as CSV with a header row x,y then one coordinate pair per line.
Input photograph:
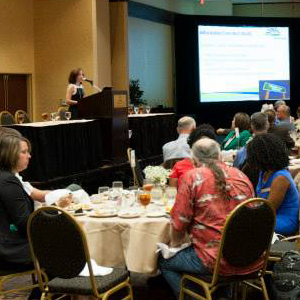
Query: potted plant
x,y
136,93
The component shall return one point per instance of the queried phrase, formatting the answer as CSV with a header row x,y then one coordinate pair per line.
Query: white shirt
x,y
177,149
26,185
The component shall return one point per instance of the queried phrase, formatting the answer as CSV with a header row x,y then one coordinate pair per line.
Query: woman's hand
x,y
220,131
65,201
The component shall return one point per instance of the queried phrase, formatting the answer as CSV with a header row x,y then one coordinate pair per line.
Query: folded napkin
x,y
55,195
97,270
168,252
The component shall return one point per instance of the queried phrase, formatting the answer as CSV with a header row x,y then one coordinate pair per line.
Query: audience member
x,y
271,117
278,103
179,148
202,205
15,203
186,164
269,154
259,124
283,117
240,133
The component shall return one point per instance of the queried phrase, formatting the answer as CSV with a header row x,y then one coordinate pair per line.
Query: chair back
x,y
247,234
6,118
57,242
62,112
26,117
169,164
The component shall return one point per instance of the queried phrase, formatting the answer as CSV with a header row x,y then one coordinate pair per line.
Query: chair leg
x,y
264,288
244,292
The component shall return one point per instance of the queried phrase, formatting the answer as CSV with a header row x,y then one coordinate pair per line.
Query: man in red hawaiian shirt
x,y
205,197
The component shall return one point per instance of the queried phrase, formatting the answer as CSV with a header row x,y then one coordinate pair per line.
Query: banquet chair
x,y
241,245
137,173
170,163
59,246
62,112
6,118
26,117
6,275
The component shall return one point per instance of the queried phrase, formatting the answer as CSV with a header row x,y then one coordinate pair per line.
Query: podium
x,y
111,107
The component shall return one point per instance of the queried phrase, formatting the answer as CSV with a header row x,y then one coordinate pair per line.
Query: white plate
x,y
108,215
129,216
156,214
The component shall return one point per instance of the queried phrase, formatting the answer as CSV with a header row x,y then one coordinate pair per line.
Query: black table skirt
x,y
149,134
63,150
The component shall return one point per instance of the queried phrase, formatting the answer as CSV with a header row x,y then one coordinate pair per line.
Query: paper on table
x,y
168,252
97,270
80,196
55,195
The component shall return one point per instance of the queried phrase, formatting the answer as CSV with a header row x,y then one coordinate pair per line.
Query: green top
x,y
236,143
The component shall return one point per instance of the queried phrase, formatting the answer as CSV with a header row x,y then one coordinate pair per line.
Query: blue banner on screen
x,y
243,63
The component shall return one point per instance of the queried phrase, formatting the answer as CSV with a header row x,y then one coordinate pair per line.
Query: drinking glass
x,y
45,116
144,199
117,186
136,110
103,189
53,116
68,115
130,109
148,108
148,184
171,193
21,118
141,109
157,195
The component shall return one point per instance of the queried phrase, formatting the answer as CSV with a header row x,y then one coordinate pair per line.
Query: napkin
x,y
55,195
81,196
97,270
168,252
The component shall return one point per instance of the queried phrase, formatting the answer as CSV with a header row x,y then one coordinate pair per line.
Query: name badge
x,y
265,190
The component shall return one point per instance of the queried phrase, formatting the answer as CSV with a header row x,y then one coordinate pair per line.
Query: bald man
x,y
180,148
283,117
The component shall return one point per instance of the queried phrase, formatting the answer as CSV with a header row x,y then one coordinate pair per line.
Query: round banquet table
x,y
132,242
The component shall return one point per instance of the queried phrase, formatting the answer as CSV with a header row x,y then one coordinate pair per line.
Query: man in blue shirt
x,y
283,117
259,124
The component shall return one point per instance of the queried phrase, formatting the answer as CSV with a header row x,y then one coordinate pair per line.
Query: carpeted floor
x,y
141,290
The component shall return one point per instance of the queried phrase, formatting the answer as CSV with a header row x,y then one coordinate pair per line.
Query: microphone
x,y
88,80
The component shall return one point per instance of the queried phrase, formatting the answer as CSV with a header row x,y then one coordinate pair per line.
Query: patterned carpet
x,y
140,289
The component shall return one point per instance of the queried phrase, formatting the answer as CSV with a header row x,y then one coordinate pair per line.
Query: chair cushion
x,y
82,285
280,247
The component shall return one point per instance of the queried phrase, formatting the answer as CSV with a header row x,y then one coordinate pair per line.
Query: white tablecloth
x,y
148,115
132,242
52,123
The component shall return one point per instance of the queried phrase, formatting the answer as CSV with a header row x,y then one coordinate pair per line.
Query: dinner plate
x,y
108,215
129,216
156,214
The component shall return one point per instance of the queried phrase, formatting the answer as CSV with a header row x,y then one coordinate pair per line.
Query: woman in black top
x,y
15,204
75,92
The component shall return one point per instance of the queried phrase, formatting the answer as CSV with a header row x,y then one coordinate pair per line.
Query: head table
x,y
132,242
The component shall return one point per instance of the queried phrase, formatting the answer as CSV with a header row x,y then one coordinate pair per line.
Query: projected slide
x,y
243,63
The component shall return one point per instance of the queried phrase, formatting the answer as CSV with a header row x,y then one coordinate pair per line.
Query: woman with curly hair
x,y
269,154
241,121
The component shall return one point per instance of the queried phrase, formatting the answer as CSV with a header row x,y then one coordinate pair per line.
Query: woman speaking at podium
x,y
75,92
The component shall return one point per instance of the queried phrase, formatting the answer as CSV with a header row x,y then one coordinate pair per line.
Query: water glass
x,y
148,108
148,184
157,195
21,118
136,110
171,193
68,115
53,116
103,189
